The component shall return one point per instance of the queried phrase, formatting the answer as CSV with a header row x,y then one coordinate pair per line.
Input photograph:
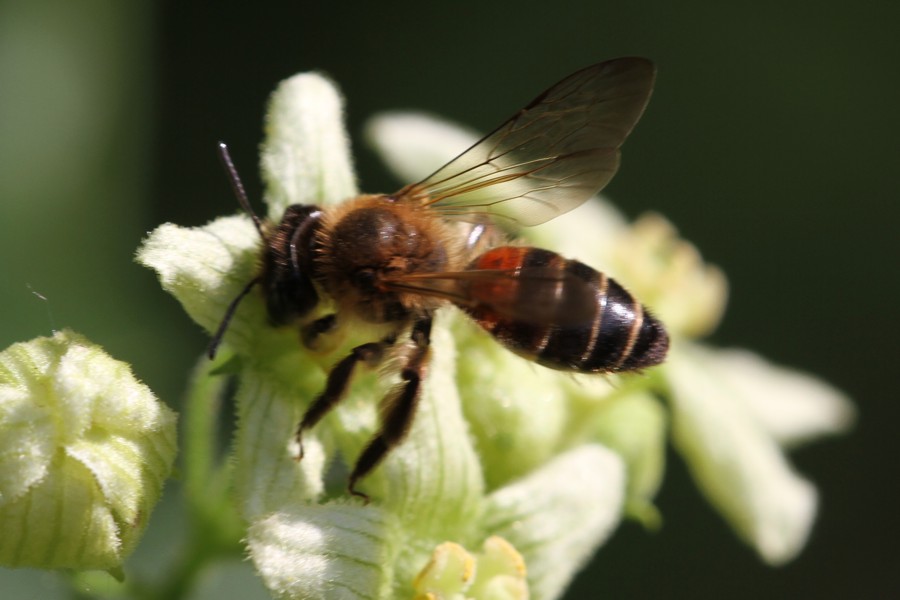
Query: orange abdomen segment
x,y
562,313
499,292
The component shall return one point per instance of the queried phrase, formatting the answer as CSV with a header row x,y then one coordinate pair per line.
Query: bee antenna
x,y
229,313
238,187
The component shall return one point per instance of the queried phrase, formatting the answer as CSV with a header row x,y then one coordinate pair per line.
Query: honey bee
x,y
392,260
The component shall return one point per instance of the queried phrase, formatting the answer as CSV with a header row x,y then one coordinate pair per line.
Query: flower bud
x,y
84,451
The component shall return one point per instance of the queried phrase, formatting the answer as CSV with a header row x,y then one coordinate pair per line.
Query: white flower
x,y
499,447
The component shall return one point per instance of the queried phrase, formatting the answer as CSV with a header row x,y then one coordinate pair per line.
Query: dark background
x,y
771,142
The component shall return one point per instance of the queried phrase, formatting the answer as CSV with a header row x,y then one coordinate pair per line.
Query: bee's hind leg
x,y
397,408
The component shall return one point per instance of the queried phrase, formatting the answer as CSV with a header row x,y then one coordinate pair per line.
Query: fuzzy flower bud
x,y
84,451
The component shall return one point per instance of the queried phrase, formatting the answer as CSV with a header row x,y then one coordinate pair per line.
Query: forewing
x,y
535,295
549,157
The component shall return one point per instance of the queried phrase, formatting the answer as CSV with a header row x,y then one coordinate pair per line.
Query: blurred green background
x,y
771,142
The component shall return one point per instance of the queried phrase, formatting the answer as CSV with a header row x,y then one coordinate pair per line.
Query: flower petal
x,y
267,475
29,429
414,145
517,413
669,275
635,426
734,460
322,552
792,406
557,516
306,153
205,268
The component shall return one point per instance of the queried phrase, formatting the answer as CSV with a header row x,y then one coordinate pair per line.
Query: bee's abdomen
x,y
591,324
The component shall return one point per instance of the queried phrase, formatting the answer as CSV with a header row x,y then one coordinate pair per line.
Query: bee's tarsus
x,y
298,437
354,492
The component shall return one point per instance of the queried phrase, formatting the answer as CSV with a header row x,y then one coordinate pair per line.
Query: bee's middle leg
x,y
398,407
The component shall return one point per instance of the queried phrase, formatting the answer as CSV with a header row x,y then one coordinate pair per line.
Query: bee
x,y
393,260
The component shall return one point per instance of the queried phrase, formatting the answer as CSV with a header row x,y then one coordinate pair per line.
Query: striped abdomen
x,y
561,313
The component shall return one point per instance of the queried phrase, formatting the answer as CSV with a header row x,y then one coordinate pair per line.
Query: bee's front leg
x,y
312,333
339,378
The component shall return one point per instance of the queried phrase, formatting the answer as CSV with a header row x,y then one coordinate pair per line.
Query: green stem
x,y
215,527
201,416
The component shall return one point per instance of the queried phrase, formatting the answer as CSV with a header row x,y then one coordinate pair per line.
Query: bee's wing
x,y
549,157
535,295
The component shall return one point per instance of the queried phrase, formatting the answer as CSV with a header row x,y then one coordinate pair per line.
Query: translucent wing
x,y
549,157
554,297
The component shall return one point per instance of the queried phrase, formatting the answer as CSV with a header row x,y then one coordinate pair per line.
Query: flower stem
x,y
215,527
